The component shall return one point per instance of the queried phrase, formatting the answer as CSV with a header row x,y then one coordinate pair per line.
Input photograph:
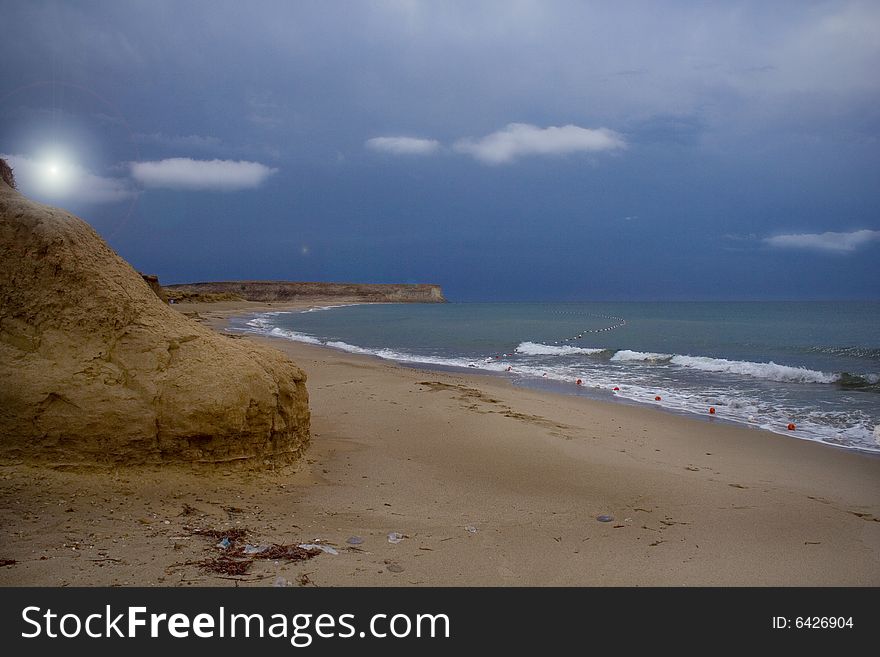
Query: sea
x,y
808,370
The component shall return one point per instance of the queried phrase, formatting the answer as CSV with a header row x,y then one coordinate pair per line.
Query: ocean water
x,y
763,364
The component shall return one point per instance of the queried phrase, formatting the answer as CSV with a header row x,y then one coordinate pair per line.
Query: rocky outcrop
x,y
153,281
6,173
281,291
94,368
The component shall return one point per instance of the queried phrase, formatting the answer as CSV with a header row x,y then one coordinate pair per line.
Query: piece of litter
x,y
316,546
395,537
604,518
280,582
255,549
355,540
470,529
395,568
224,544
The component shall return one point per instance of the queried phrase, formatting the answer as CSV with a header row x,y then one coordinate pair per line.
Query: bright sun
x,y
55,176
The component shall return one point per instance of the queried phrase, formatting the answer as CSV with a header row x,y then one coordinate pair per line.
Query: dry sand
x,y
489,483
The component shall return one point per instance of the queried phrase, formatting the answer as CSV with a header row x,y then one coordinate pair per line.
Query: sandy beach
x,y
487,483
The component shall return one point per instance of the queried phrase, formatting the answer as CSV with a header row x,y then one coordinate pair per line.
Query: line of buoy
x,y
620,322
712,411
791,425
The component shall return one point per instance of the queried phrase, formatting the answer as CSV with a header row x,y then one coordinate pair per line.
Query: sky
x,y
547,150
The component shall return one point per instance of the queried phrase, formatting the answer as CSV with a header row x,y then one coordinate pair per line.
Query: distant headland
x,y
287,291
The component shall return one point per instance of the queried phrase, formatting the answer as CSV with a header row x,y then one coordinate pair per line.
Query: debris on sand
x,y
224,565
234,534
318,546
238,556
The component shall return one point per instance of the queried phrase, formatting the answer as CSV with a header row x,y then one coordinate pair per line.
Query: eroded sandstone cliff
x,y
94,368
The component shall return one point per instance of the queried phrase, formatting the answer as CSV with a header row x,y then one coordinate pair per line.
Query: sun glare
x,y
55,175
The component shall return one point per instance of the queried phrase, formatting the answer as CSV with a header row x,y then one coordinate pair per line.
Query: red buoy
x,y
791,426
711,410
616,389
579,382
657,398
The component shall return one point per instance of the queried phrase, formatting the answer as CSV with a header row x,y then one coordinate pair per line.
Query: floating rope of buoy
x,y
619,322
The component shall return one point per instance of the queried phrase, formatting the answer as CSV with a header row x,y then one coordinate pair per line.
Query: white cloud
x,y
56,179
522,139
186,173
831,242
403,145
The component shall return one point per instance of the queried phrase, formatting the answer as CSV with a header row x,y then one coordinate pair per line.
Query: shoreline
x,y
490,484
550,387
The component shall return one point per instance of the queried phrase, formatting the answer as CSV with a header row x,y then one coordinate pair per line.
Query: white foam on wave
x,y
629,355
404,357
315,309
293,335
266,320
539,349
840,429
770,371
259,322
353,349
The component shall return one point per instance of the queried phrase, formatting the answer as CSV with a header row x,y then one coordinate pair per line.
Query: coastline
x,y
490,484
778,424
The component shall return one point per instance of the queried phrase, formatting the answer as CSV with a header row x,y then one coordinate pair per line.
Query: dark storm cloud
x,y
738,118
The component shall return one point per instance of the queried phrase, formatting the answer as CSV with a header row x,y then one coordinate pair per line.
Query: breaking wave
x,y
538,349
293,335
628,355
770,371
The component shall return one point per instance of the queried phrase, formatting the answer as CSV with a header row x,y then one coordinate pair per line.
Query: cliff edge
x,y
94,368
